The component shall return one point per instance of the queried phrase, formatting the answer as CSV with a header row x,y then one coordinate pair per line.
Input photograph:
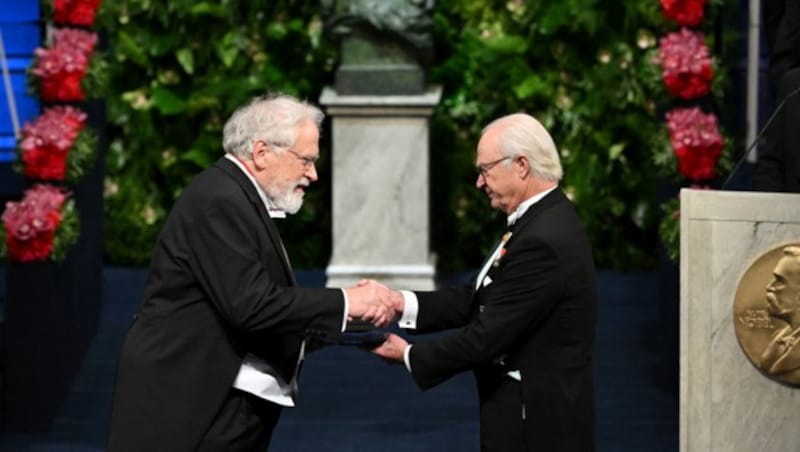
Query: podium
x,y
727,402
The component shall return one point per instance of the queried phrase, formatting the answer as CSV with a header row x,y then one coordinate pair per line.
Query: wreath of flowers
x,y
695,149
43,225
696,141
57,147
67,69
687,67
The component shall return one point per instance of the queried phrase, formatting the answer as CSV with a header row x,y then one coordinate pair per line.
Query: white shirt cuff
x,y
407,357
410,310
346,310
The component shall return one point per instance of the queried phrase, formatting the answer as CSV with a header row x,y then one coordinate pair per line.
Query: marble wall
x,y
726,403
381,188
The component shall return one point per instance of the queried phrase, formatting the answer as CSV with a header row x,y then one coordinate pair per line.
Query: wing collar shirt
x,y
256,376
409,318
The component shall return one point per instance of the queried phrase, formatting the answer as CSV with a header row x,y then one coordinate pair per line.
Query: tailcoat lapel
x,y
518,228
252,195
554,197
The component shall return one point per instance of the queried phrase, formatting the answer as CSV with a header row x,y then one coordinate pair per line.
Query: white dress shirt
x,y
256,376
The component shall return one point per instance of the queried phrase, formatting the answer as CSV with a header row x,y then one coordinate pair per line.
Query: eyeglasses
x,y
484,168
308,161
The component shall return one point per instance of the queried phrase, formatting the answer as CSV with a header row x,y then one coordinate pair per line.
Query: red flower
x,y
687,69
31,224
60,71
75,12
684,12
61,68
46,143
696,142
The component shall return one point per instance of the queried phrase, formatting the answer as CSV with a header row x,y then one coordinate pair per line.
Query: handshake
x,y
373,302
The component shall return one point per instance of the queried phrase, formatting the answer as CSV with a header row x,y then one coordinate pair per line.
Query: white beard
x,y
285,198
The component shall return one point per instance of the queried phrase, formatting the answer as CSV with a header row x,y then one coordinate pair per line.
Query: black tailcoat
x,y
536,316
219,287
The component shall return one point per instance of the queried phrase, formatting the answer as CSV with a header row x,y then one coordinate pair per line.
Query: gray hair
x,y
271,118
524,135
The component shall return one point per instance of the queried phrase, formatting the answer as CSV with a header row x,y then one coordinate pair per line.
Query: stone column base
x,y
411,277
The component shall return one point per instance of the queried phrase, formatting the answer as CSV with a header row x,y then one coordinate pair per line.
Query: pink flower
x,y
45,143
61,67
31,223
696,142
686,64
60,71
84,41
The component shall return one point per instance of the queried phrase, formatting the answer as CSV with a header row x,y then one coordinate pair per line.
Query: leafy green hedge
x,y
583,67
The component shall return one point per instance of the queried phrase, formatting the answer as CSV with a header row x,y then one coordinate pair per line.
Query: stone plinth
x,y
380,177
726,403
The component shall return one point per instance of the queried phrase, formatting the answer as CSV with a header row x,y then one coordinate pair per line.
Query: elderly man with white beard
x,y
215,349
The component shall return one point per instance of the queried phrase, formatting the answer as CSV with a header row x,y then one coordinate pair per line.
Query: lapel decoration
x,y
502,252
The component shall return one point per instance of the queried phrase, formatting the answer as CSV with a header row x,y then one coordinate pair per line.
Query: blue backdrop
x,y
21,33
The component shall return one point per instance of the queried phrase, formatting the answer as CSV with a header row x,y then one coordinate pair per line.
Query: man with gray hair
x,y
525,326
215,350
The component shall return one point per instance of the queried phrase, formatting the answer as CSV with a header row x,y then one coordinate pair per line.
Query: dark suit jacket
x,y
778,167
219,286
782,30
537,316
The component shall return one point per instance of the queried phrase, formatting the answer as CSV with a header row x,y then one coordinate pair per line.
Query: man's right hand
x,y
373,302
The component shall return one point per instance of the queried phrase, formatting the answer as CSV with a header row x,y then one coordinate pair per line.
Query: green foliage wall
x,y
179,69
583,67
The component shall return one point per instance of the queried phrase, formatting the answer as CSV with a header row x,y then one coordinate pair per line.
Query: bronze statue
x,y
385,45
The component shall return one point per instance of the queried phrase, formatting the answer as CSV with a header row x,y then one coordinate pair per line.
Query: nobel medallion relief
x,y
767,313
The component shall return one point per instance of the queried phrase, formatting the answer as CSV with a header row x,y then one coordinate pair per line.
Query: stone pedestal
x,y
380,176
726,403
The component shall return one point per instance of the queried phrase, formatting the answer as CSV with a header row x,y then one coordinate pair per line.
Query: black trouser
x,y
244,423
502,425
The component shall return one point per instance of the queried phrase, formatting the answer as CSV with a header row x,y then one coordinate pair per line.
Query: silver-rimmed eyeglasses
x,y
484,168
308,161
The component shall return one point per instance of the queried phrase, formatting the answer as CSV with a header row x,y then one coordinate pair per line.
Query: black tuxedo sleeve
x,y
443,309
240,271
523,292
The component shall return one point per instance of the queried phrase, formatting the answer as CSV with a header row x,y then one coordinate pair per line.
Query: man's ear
x,y
523,166
260,154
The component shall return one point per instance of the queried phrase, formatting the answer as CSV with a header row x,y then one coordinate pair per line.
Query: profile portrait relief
x,y
767,313
783,303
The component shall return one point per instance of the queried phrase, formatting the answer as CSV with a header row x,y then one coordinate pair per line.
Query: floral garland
x,y
66,70
696,142
696,145
686,64
57,147
43,225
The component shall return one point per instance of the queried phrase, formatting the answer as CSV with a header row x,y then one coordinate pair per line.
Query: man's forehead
x,y
487,149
